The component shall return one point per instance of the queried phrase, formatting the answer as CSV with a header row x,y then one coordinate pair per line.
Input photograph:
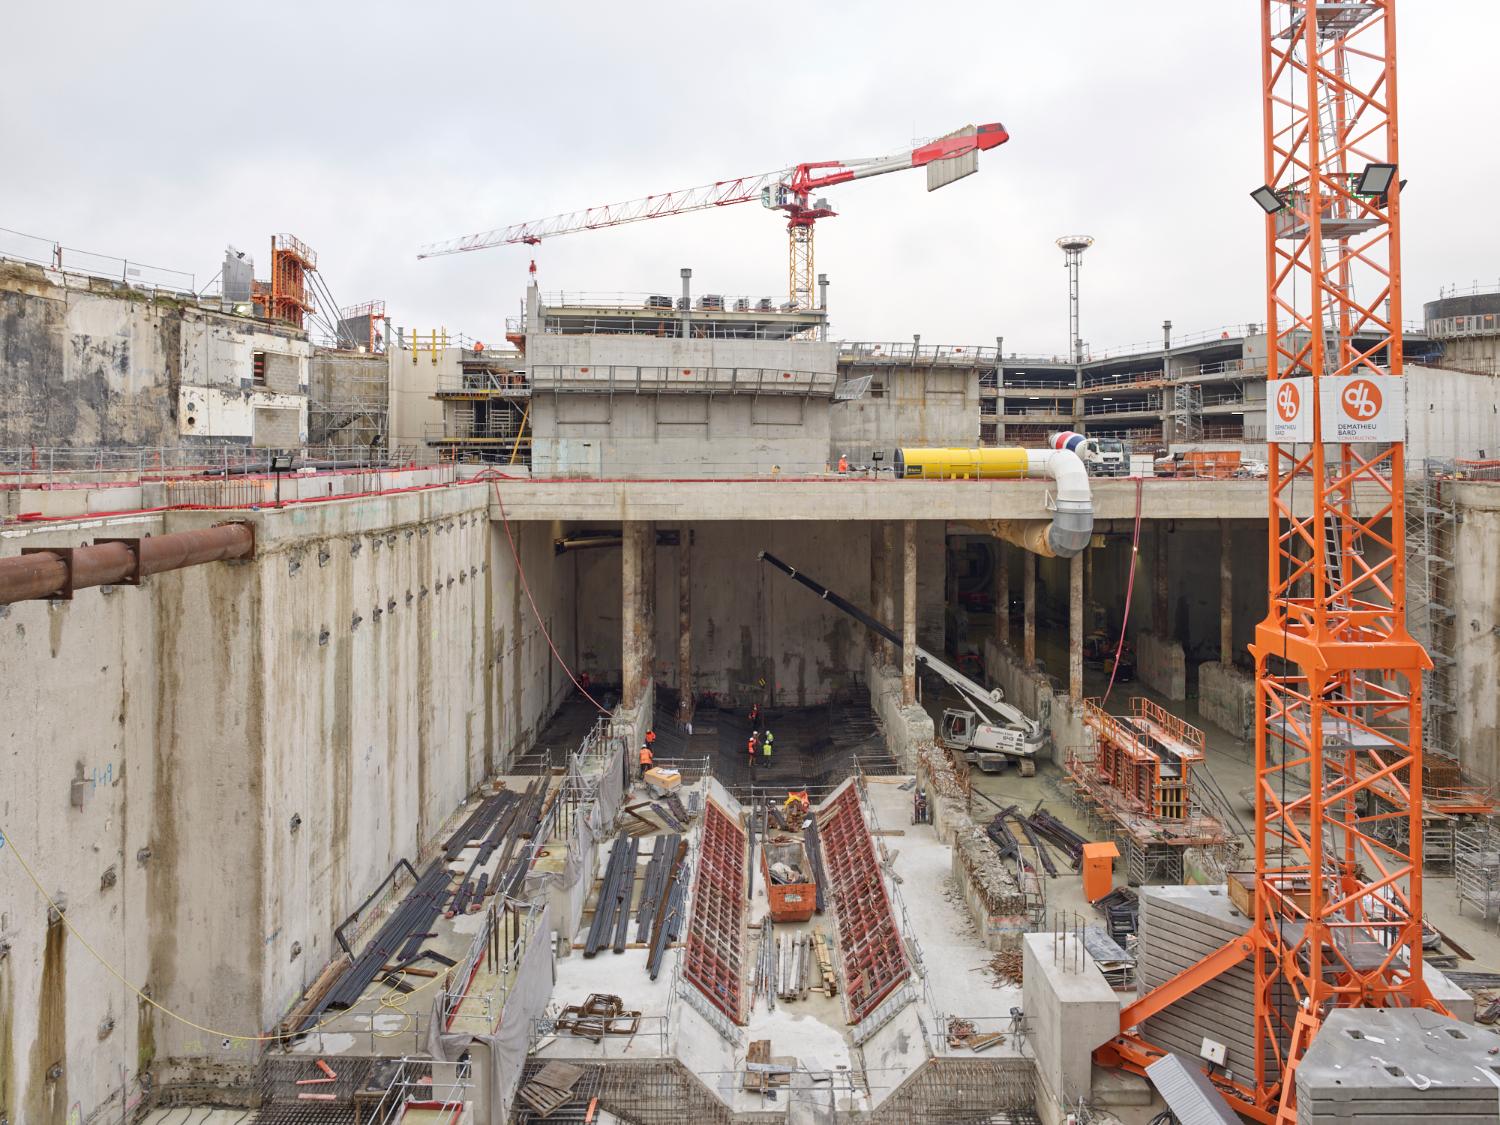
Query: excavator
x,y
990,733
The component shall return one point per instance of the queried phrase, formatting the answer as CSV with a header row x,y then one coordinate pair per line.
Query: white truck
x,y
1103,457
990,733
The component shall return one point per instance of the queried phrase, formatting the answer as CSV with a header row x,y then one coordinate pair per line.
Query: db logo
x,y
1288,402
1361,400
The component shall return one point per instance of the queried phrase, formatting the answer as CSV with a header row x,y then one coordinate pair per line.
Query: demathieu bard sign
x,y
1354,408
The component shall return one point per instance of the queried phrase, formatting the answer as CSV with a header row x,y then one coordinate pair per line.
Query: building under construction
x,y
670,713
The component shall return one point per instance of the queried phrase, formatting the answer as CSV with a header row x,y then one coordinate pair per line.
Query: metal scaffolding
x,y
1431,521
1476,867
1187,412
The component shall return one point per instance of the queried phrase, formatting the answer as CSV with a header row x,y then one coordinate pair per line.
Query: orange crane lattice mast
x,y
1338,897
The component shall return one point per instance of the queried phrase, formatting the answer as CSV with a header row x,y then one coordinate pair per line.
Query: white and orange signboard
x,y
1364,408
1289,410
1354,408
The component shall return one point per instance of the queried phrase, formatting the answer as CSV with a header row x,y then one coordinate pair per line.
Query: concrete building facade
x,y
94,364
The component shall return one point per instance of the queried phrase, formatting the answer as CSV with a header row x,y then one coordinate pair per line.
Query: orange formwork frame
x,y
1338,897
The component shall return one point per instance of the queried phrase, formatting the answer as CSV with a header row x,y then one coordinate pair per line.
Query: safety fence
x,y
53,254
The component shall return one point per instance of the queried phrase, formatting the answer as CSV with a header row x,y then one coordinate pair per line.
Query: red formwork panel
x,y
870,944
714,952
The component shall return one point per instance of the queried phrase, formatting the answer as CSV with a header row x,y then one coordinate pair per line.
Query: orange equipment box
x,y
1099,869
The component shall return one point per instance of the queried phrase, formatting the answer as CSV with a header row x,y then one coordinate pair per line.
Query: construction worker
x,y
752,743
843,462
754,715
765,745
651,740
645,759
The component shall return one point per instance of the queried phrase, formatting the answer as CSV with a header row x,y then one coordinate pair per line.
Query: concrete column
x,y
909,616
888,588
1002,593
648,593
633,632
1028,595
684,625
1075,628
873,642
1159,580
1226,596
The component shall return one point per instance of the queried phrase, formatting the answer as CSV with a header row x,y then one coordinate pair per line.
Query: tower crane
x,y
789,190
1338,733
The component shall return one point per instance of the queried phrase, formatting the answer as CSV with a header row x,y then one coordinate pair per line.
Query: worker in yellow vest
x,y
765,746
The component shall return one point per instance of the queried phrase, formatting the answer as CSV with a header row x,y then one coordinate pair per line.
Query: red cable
x,y
520,570
1135,551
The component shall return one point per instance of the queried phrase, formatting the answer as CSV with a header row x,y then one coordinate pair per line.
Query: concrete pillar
x,y
1002,593
1159,580
1075,628
909,615
648,593
1226,596
1028,595
888,589
684,625
873,642
633,631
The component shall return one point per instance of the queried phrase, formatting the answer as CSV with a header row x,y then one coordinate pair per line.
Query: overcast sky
x,y
163,131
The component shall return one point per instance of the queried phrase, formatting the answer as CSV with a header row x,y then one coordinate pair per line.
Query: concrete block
x,y
1161,665
1390,1064
1226,698
1071,1009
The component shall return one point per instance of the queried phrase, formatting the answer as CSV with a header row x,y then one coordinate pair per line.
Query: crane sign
x,y
790,190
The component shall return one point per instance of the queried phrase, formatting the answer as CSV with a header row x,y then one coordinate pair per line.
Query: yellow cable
x,y
9,841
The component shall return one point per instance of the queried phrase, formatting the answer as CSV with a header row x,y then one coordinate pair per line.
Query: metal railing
x,y
510,384
665,304
43,466
965,355
1146,407
517,926
651,325
424,1082
53,254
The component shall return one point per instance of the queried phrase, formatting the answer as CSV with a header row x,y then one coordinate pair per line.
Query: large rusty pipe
x,y
48,573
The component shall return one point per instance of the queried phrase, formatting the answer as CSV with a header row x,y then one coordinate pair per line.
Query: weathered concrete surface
x,y
865,498
1160,665
908,727
1226,698
87,363
1071,1010
1476,627
929,405
254,745
751,623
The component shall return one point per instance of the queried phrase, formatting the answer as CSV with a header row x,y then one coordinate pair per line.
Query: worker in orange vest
x,y
843,462
645,759
751,744
651,739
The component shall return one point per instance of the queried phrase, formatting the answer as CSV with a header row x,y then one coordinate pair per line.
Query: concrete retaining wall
x,y
1160,665
1226,698
1476,601
214,769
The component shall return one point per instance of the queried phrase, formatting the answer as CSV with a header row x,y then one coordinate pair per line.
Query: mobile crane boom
x,y
1019,735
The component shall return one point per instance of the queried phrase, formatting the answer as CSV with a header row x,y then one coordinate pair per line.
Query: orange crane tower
x,y
1338,896
788,190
